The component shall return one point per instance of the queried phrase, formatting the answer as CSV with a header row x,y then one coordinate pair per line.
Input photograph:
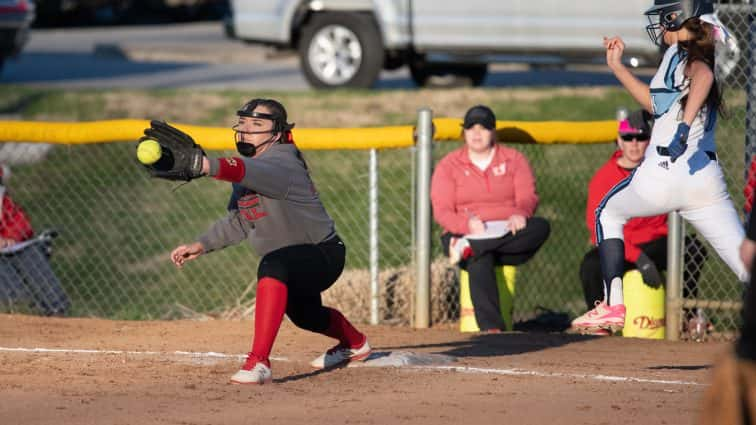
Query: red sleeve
x,y
750,186
526,198
443,190
15,224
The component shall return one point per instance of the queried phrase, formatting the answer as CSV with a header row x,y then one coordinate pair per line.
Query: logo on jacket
x,y
500,169
250,207
664,164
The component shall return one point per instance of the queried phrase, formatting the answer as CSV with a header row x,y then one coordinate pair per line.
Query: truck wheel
x,y
451,74
341,50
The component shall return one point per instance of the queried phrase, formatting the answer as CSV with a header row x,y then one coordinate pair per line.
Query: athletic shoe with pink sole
x,y
603,316
253,372
340,355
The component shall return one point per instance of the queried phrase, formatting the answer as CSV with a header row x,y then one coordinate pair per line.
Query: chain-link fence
x,y
117,226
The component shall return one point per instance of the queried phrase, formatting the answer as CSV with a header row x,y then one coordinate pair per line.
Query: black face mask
x,y
248,149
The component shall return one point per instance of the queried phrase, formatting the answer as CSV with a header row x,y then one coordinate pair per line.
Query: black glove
x,y
648,270
182,157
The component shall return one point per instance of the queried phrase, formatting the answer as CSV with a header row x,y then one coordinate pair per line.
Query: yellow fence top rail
x,y
218,138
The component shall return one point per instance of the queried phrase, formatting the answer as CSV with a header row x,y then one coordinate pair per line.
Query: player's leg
x,y
627,199
719,224
270,305
309,270
591,279
308,312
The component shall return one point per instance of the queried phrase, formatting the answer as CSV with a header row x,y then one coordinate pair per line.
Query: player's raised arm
x,y
701,80
640,91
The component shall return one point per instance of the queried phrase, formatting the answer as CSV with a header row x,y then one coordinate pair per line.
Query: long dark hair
x,y
700,47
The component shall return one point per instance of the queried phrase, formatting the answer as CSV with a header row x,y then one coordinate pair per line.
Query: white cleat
x,y
249,374
339,355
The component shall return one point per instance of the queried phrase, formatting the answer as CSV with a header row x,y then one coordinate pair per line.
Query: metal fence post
x,y
674,300
374,289
424,164
750,118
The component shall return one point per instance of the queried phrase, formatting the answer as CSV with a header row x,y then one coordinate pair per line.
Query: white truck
x,y
346,43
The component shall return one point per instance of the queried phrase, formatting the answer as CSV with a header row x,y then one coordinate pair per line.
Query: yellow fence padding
x,y
219,138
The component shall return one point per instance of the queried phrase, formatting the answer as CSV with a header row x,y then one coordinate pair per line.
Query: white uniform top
x,y
668,87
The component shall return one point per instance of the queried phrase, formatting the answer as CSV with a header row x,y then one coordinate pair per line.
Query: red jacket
x,y
459,189
637,230
14,224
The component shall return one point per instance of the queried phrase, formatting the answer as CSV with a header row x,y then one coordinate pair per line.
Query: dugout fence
x,y
117,226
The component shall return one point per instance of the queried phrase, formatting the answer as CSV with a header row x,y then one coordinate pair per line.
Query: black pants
x,y
26,277
511,250
695,255
746,344
306,270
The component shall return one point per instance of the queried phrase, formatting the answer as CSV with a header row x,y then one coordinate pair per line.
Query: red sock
x,y
270,306
340,328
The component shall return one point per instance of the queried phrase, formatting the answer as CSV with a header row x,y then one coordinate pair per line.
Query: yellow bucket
x,y
645,313
505,280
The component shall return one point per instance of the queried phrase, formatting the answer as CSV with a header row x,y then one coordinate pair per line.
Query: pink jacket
x,y
460,190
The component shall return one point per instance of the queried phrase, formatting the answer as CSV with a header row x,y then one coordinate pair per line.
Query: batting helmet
x,y
670,15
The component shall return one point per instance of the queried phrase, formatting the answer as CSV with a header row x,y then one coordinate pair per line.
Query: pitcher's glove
x,y
181,156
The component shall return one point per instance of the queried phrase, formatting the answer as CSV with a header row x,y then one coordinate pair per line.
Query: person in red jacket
x,y
484,196
25,272
645,237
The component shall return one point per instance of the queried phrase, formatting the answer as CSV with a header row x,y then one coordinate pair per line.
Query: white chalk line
x,y
195,354
524,372
459,369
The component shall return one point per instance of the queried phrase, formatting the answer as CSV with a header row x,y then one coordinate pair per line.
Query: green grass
x,y
117,225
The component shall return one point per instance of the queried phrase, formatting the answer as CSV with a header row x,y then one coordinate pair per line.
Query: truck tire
x,y
470,74
341,50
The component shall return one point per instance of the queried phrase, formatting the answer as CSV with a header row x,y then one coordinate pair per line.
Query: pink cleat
x,y
603,316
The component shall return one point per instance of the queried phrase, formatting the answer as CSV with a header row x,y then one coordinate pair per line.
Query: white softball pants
x,y
694,185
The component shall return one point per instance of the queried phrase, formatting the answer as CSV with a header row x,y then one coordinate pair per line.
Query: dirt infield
x,y
177,372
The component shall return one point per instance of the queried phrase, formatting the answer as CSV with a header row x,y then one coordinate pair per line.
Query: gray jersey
x,y
274,205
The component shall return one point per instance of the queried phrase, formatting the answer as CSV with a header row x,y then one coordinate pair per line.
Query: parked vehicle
x,y
16,17
55,12
348,42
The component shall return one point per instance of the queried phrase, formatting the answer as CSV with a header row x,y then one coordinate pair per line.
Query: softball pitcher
x,y
680,171
275,207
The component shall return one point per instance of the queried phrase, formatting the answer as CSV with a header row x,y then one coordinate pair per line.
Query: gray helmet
x,y
670,15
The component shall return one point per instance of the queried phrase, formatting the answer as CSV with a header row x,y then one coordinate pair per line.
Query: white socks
x,y
615,292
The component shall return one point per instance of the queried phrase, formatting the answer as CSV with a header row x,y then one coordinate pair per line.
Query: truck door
x,y
524,26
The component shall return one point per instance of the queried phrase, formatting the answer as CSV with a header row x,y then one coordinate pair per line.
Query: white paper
x,y
494,229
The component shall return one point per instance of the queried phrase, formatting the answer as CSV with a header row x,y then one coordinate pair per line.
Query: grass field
x,y
117,226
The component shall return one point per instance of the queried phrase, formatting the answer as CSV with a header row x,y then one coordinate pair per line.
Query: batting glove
x,y
679,142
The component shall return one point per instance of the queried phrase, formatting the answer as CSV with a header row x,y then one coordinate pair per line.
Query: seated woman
x,y
484,196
